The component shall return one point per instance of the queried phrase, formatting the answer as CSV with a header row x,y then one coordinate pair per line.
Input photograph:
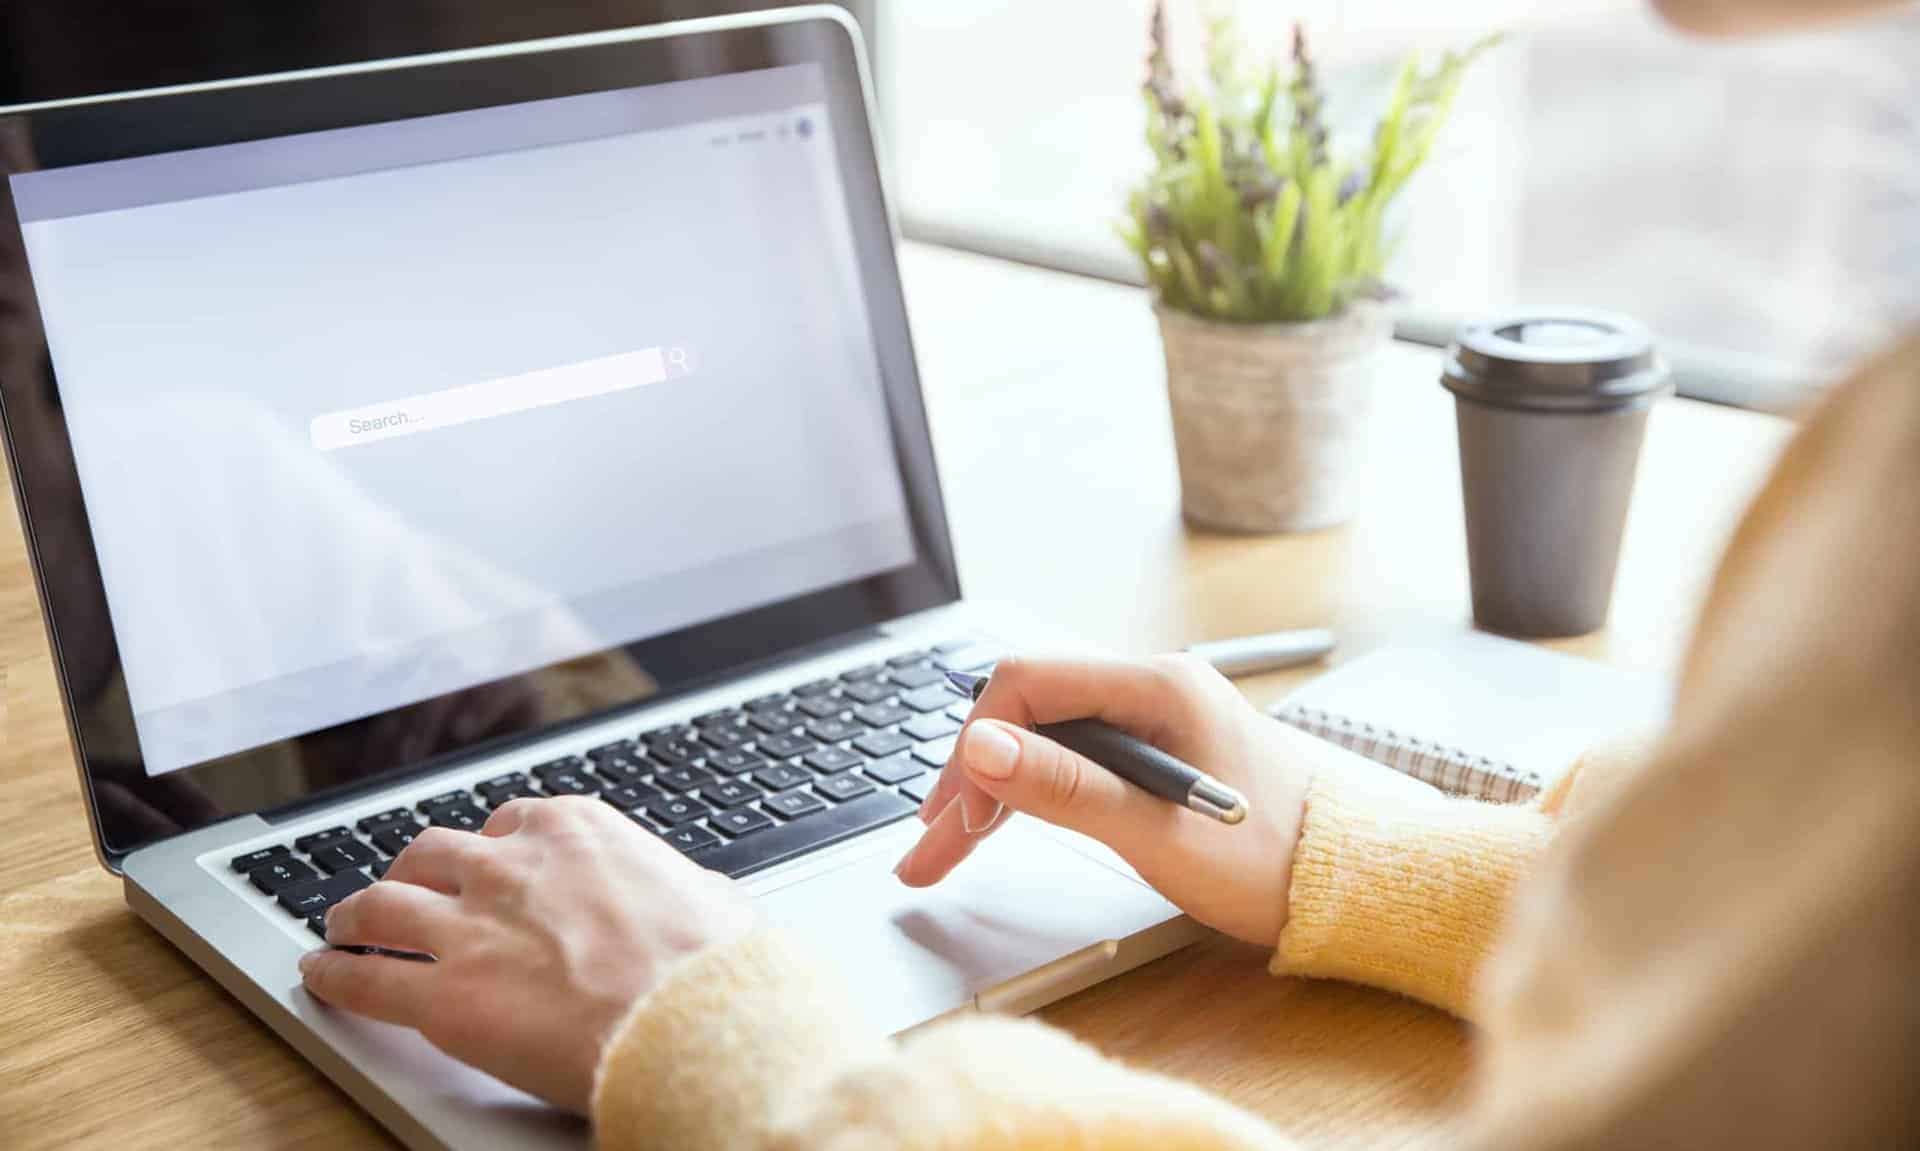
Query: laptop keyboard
x,y
736,790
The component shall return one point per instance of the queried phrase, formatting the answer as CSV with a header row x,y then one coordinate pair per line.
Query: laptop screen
x,y
367,416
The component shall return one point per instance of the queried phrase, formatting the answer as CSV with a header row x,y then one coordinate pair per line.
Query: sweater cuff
x,y
1398,886
707,1058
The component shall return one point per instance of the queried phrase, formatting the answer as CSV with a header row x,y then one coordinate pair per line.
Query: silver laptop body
x,y
394,439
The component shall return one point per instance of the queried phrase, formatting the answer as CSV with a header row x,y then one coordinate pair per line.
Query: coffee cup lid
x,y
1564,359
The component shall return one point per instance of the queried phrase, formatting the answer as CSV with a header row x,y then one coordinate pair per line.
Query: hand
x,y
545,928
1233,878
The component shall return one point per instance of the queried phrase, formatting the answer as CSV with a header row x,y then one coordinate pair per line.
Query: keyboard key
x,y
459,816
772,701
571,782
672,733
394,836
841,788
675,810
781,776
864,671
931,698
730,793
609,750
868,691
935,754
379,867
740,821
794,804
317,924
690,839
775,722
895,768
313,898
682,779
973,659
784,842
815,687
307,843
919,787
882,714
953,645
500,797
676,752
441,800
628,796
907,659
735,762
785,746
565,765
831,759
253,859
725,717
914,677
276,875
834,730
342,854
960,712
394,815
497,799
876,744
822,706
933,725
726,738
501,788
627,767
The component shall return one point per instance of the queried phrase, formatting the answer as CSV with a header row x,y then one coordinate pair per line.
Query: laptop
x,y
395,440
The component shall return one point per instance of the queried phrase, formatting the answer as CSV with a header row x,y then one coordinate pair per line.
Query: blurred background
x,y
1757,202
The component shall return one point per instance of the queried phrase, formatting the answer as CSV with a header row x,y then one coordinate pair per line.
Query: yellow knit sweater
x,y
1715,945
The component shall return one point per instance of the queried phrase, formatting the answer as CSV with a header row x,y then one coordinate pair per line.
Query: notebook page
x,y
1488,697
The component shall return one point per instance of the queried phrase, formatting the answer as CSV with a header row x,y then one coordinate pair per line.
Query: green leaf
x,y
1279,238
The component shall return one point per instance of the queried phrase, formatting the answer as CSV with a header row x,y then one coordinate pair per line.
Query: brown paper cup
x,y
1551,410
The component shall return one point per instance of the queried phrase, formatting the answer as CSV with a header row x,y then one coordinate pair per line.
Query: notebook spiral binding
x,y
1450,769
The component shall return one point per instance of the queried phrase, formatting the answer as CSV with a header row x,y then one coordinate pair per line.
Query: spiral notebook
x,y
1476,715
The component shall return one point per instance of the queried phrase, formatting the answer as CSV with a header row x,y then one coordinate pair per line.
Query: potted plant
x,y
1265,251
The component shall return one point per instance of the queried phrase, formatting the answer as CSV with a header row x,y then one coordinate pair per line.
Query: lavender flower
x,y
1305,90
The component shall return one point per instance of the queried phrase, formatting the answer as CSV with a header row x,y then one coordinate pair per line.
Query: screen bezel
x,y
83,132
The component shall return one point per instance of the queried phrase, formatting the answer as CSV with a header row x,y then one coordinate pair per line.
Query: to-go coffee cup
x,y
1551,408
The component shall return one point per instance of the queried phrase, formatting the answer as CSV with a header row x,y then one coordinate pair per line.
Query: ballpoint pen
x,y
1134,760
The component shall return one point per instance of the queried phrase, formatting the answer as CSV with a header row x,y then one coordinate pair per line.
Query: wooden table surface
x,y
1049,416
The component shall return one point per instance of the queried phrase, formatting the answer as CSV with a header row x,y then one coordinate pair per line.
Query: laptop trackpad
x,y
1024,898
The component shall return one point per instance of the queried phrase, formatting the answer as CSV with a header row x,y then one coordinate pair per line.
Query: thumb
x,y
1031,773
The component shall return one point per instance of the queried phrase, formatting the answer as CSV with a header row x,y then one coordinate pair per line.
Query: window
x,y
1756,201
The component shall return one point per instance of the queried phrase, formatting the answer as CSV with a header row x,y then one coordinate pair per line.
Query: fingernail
x,y
974,825
990,751
308,961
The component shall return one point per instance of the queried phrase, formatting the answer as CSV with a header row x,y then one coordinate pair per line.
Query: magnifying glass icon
x,y
679,361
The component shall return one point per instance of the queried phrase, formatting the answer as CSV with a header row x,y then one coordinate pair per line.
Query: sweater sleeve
x,y
1400,886
752,1046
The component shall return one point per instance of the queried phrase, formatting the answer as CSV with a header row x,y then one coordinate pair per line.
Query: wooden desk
x,y
1046,399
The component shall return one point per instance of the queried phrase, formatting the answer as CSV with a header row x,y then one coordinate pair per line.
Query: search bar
x,y
449,407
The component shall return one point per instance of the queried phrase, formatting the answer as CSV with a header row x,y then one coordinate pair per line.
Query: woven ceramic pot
x,y
1268,418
